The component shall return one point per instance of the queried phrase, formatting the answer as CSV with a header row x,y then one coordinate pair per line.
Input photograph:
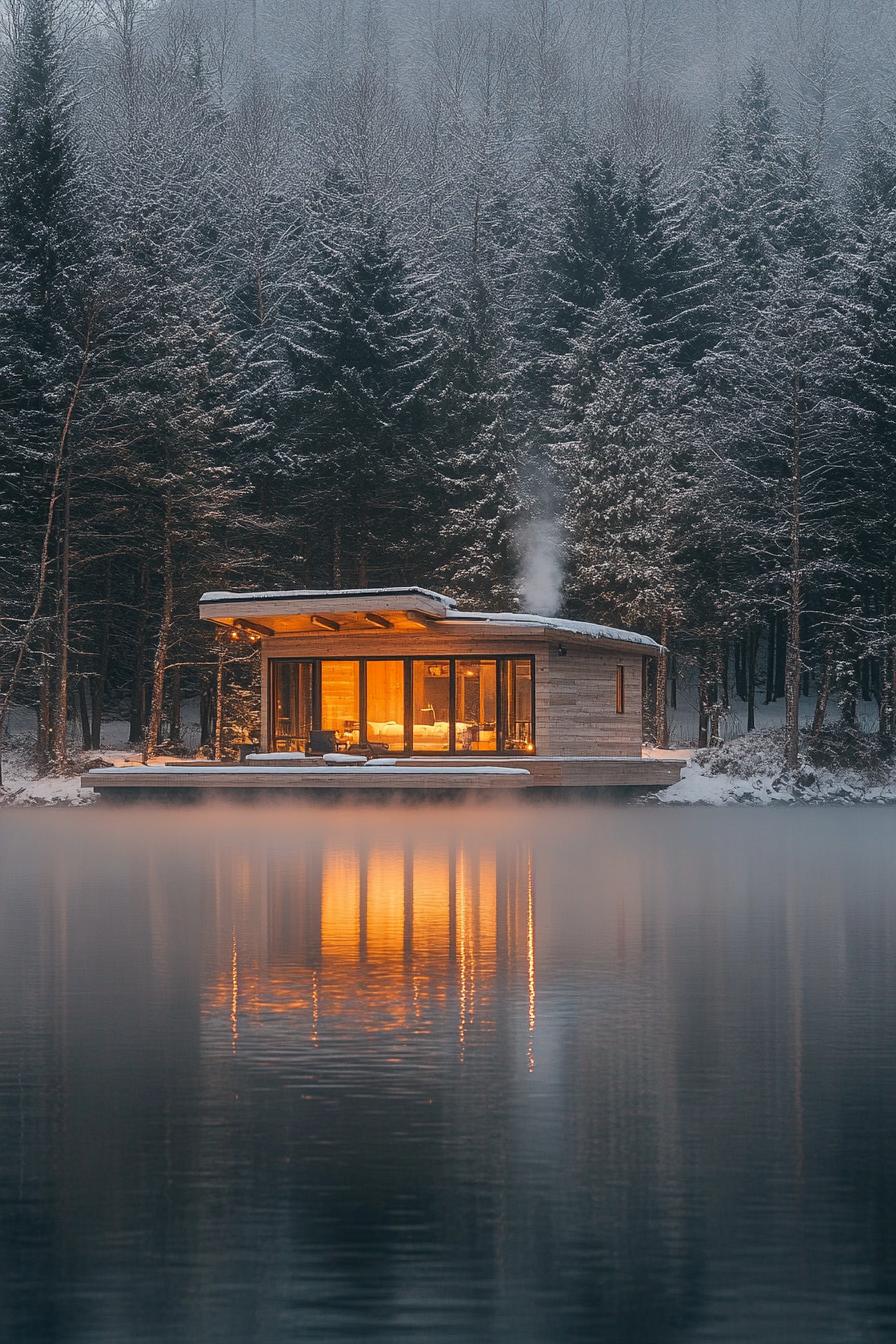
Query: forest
x,y
569,305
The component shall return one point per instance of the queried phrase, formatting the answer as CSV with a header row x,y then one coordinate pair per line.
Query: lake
x,y
447,1074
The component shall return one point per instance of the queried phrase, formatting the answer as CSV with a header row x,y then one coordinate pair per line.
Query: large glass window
x,y
519,705
385,704
291,692
418,704
431,704
476,701
340,700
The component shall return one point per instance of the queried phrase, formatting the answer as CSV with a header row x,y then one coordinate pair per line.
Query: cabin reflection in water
x,y
372,937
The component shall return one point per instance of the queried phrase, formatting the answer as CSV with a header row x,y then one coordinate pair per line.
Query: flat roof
x,y
363,610
325,594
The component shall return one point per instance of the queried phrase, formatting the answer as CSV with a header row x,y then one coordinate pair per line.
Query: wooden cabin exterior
x,y
405,672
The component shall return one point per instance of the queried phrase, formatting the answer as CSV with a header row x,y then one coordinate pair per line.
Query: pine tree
x,y
357,390
482,504
774,431
620,401
46,333
741,194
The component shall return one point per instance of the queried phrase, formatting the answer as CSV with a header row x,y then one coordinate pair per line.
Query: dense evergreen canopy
x,y
350,311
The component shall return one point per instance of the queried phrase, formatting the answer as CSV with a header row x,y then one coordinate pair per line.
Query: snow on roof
x,y
317,594
583,629
450,611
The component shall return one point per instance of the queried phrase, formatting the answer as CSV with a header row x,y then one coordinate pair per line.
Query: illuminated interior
x,y
431,704
476,704
385,704
518,702
340,699
291,705
404,705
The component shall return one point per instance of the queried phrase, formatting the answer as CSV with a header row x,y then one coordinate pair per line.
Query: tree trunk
x,y
49,527
740,667
60,716
44,721
174,708
715,703
84,712
662,677
219,699
724,659
794,597
206,696
824,690
98,684
770,658
781,655
885,716
752,651
138,682
163,643
673,681
702,706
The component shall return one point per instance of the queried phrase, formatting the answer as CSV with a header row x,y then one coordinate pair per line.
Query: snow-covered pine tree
x,y
358,390
46,333
669,273
619,401
741,193
165,428
480,458
592,257
871,387
775,446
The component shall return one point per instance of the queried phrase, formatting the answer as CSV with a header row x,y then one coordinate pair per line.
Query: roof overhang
x,y
368,610
321,611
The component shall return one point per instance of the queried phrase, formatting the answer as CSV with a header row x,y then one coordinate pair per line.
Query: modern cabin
x,y
432,697
405,672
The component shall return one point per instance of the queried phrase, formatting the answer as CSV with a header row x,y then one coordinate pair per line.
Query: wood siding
x,y
575,694
580,716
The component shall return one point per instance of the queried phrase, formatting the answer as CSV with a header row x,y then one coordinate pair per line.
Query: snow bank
x,y
837,766
24,787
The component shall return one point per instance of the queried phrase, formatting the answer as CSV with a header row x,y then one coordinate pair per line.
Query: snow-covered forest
x,y
497,297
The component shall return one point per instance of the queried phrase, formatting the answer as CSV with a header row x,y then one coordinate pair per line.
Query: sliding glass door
x,y
405,705
291,704
340,699
476,704
384,714
431,704
518,704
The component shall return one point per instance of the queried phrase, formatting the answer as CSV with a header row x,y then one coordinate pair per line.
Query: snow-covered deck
x,y
408,775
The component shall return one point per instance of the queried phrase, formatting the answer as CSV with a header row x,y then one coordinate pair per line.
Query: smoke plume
x,y
541,567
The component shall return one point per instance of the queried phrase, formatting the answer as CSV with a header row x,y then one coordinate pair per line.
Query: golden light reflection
x,y
377,937
234,994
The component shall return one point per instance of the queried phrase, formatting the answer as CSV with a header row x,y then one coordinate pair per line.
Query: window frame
x,y
620,688
501,659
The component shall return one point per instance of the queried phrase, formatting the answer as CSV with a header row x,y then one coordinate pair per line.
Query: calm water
x,y
578,1074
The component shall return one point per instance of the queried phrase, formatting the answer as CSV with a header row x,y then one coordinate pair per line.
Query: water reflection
x,y
459,1075
384,935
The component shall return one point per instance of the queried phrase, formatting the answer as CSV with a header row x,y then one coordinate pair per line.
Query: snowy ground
x,y
24,786
837,768
745,769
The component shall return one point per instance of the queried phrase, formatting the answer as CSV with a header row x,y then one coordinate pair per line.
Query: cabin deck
x,y
408,775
